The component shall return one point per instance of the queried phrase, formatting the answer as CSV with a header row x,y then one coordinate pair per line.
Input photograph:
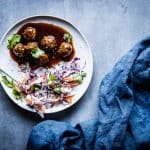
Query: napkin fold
x,y
123,120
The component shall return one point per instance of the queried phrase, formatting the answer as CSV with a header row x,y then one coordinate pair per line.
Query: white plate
x,y
82,50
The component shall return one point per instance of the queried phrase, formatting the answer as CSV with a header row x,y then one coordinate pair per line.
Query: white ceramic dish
x,y
82,50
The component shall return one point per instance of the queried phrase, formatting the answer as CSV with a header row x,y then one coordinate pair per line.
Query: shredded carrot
x,y
68,99
39,107
29,101
68,79
73,83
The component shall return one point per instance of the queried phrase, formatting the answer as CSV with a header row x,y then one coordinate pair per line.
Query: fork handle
x,y
3,72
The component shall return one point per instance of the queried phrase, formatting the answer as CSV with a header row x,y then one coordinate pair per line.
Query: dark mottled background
x,y
111,28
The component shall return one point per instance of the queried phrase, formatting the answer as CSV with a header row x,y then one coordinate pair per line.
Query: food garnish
x,y
17,93
36,53
67,37
16,38
7,82
15,89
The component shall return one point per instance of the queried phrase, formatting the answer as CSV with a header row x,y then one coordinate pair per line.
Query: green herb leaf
x,y
79,77
36,53
83,74
35,87
67,37
52,79
17,93
57,90
16,38
7,82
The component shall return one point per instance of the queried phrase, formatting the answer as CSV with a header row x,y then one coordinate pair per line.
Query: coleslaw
x,y
44,88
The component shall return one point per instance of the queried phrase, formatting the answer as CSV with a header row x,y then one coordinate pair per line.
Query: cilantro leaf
x,y
83,74
16,38
79,77
36,53
7,82
17,93
52,79
67,37
15,90
57,90
35,87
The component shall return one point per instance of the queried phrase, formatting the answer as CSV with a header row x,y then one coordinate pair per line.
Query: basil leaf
x,y
16,38
17,93
67,37
52,79
36,53
7,82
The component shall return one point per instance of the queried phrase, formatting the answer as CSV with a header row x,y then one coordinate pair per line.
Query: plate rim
x,y
74,26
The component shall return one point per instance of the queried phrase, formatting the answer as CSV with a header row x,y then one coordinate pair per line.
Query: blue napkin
x,y
124,112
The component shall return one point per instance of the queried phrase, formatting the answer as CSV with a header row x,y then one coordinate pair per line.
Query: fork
x,y
3,72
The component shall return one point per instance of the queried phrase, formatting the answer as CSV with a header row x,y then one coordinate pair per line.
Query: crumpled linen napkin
x,y
124,112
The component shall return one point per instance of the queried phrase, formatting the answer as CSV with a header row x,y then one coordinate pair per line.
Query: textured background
x,y
111,28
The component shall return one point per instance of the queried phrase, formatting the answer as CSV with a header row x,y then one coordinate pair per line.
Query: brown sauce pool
x,y
44,29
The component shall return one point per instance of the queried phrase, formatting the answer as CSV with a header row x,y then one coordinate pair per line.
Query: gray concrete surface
x,y
111,27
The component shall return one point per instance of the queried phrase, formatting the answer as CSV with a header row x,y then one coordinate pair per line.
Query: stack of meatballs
x,y
48,44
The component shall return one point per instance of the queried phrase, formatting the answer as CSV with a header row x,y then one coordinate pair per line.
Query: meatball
x,y
30,46
29,33
44,59
48,42
19,50
65,49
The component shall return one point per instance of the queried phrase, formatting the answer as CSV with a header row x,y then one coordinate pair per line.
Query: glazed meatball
x,y
29,33
44,59
48,42
31,46
19,50
65,49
